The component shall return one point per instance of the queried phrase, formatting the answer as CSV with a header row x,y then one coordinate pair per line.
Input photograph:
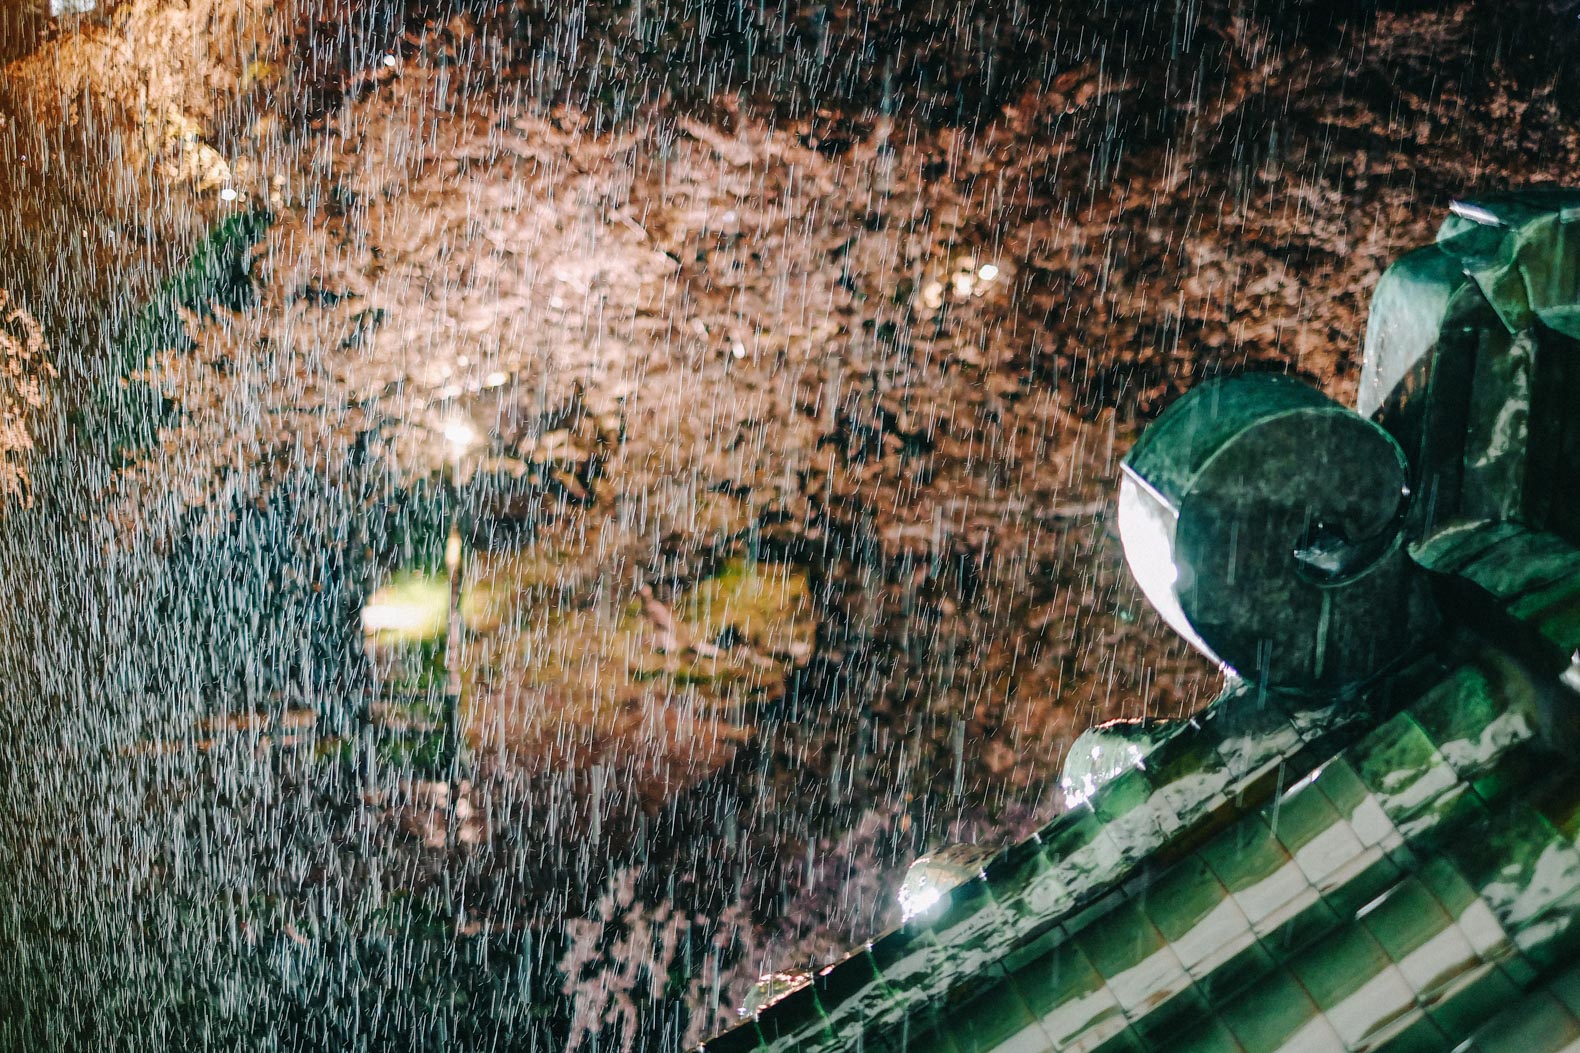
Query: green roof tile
x,y
1277,1012
995,1018
1537,1023
1212,1036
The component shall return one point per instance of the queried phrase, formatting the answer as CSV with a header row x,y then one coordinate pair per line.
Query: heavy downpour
x,y
597,525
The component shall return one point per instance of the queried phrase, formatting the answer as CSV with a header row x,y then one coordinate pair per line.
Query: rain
x,y
523,520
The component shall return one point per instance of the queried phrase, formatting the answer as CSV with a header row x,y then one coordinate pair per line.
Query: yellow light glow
x,y
409,608
393,617
988,272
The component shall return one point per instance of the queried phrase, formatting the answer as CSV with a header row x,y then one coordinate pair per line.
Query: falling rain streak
x,y
523,520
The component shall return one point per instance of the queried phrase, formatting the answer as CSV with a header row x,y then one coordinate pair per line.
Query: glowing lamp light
x,y
988,272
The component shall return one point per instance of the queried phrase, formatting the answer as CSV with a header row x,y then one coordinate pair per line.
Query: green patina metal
x,y
1264,520
1369,841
